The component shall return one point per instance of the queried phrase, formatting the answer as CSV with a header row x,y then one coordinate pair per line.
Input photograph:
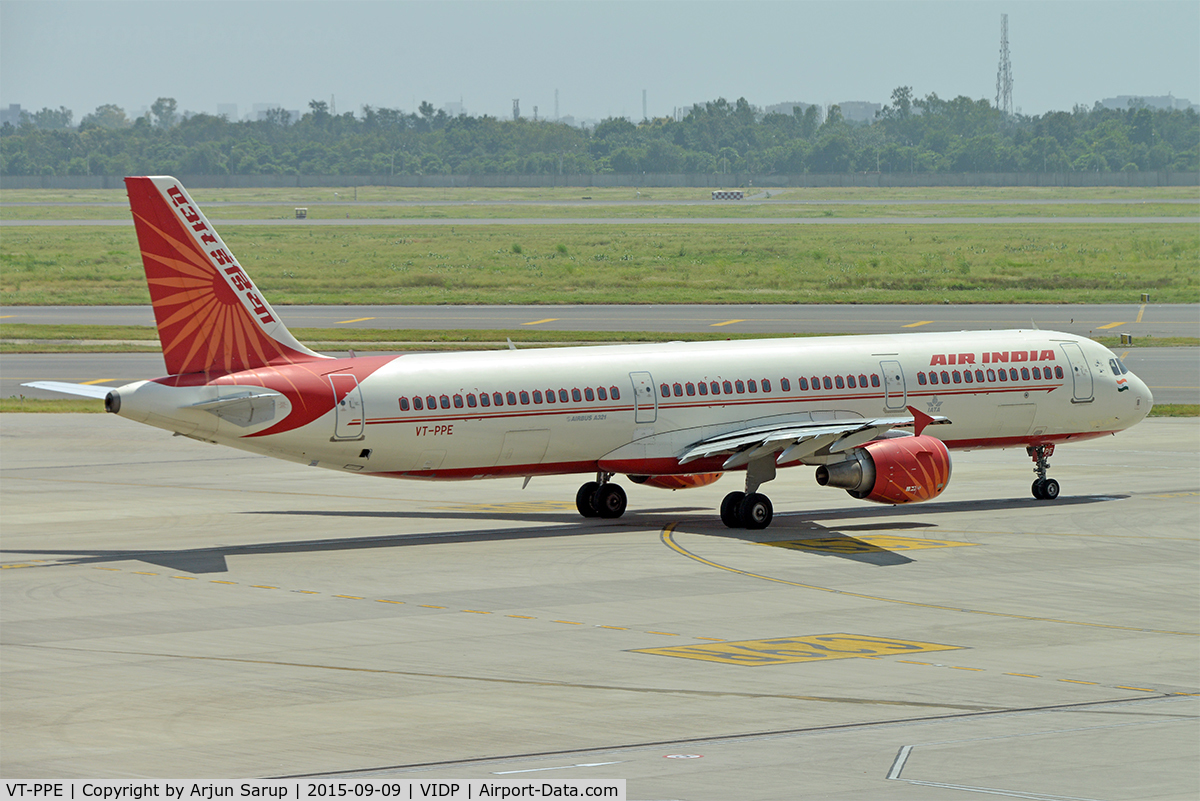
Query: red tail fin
x,y
211,317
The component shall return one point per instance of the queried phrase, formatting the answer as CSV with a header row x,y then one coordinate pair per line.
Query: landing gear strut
x,y
600,498
751,509
1044,489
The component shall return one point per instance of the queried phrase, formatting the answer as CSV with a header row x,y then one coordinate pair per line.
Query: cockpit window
x,y
1121,364
1112,365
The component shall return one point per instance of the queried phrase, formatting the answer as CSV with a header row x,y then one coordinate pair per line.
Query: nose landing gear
x,y
1044,489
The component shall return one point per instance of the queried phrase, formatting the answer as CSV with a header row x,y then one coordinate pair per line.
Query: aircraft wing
x,y
86,390
796,442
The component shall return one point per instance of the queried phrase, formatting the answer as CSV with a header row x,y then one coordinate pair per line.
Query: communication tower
x,y
1004,79
516,108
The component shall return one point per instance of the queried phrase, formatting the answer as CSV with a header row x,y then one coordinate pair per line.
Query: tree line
x,y
910,134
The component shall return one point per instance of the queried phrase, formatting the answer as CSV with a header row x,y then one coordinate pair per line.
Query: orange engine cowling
x,y
901,470
677,482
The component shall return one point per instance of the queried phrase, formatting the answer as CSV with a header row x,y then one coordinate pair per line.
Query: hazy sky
x,y
598,55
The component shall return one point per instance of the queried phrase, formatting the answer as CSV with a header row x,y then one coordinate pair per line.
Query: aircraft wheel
x,y
756,511
610,501
1050,490
729,509
585,499
1038,489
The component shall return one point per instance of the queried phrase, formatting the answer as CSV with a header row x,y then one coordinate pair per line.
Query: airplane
x,y
674,415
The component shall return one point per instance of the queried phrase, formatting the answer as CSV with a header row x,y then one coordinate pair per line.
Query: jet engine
x,y
677,482
900,470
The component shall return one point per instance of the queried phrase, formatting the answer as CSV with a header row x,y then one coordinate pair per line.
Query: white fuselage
x,y
373,423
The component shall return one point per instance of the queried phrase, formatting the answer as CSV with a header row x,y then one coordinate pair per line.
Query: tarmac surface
x,y
173,609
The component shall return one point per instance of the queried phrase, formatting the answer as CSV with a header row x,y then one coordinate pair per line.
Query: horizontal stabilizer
x,y
84,390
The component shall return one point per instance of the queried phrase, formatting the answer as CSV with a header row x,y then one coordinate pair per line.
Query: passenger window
x,y
458,401
1037,373
484,400
445,401
766,385
471,400
991,374
431,402
588,394
752,385
921,379
600,391
417,404
511,397
740,387
1002,374
497,399
850,382
828,383
562,395
967,376
933,378
1012,373
550,396
874,380
862,380
404,404
537,396
945,377
957,377
690,388
979,376
728,387
575,396
703,388
616,393
666,391
1058,371
839,382
678,389
524,398
816,382
785,385
1025,373
802,383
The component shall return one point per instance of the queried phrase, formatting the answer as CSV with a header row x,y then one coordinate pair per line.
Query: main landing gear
x,y
1044,489
600,498
751,509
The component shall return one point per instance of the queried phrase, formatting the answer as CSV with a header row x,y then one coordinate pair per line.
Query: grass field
x,y
660,263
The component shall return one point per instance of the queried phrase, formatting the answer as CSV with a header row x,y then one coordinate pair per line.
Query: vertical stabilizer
x,y
211,317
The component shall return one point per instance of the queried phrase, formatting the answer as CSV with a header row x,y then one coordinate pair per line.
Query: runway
x,y
1139,320
172,609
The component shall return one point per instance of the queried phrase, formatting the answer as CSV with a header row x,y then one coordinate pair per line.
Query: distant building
x,y
1163,103
859,111
454,109
228,111
11,115
790,108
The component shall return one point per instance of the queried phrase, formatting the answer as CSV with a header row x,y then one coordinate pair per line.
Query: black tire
x,y
1050,490
729,509
1037,489
756,511
610,501
585,499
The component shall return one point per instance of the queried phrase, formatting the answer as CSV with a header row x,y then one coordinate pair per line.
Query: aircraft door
x,y
645,401
895,396
350,418
1081,374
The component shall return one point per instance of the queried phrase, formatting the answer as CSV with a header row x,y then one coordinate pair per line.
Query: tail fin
x,y
211,317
